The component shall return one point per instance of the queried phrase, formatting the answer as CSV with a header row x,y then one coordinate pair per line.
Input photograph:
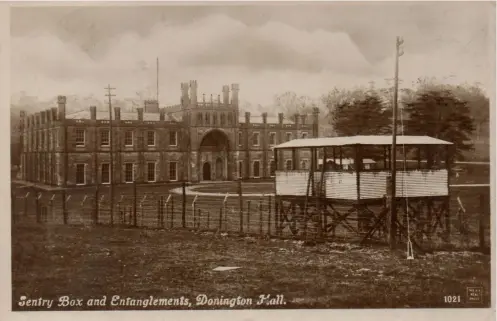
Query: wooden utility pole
x,y
393,203
111,153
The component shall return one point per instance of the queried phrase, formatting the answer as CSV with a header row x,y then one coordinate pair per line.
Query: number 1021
x,y
452,299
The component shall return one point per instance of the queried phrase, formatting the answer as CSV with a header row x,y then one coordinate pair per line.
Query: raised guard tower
x,y
331,201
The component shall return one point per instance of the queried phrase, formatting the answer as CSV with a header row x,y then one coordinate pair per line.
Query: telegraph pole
x,y
111,153
393,204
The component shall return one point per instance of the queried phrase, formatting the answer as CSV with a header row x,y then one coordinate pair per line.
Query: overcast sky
x,y
267,49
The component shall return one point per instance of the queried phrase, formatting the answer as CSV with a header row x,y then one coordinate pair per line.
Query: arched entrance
x,y
214,150
206,171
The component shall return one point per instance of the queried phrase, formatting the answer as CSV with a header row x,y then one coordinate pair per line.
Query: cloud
x,y
264,59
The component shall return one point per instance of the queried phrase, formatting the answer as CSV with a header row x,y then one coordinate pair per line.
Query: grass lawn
x,y
50,261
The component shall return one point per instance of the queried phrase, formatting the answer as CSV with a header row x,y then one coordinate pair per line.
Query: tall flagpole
x,y
393,207
157,80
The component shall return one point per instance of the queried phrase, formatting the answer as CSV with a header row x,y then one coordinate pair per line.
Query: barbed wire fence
x,y
162,207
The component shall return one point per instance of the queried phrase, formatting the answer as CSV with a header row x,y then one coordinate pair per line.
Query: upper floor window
x,y
214,119
105,137
207,118
80,174
304,135
272,139
223,119
150,138
288,137
240,138
173,138
128,138
199,119
230,118
255,139
80,137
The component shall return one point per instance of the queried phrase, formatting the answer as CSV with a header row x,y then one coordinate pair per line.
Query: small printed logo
x,y
475,294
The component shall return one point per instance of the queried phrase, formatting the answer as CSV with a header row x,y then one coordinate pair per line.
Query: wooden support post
x,y
248,216
95,217
183,208
240,204
260,217
64,207
135,222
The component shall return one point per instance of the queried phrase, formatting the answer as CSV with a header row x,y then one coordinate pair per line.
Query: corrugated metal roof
x,y
361,140
103,115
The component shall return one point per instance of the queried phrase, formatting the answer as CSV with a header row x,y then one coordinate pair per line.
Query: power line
x,y
109,94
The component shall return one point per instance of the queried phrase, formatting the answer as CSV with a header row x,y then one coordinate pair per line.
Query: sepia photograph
x,y
251,155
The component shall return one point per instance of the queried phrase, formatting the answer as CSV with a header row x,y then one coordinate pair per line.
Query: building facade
x,y
193,141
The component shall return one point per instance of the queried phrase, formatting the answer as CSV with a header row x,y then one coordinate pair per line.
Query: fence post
x,y
141,209
260,215
95,217
26,204
220,218
52,215
64,206
208,220
240,202
225,206
37,206
248,216
269,216
194,212
276,215
159,208
183,208
172,212
135,221
122,215
199,219
481,225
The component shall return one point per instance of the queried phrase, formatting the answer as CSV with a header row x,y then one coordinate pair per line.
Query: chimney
x,y
117,113
151,106
226,95
61,107
140,113
193,92
185,100
264,118
234,96
303,119
42,117
212,102
280,118
315,120
219,99
247,117
93,112
54,114
162,114
296,119
37,119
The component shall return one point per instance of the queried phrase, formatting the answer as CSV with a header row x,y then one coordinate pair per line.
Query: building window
x,y
214,119
128,138
80,137
272,168
57,137
151,138
223,119
129,172
288,164
272,139
207,118
50,142
255,139
304,135
105,174
240,138
42,140
240,169
199,119
151,171
288,137
256,169
173,138
173,171
230,118
105,137
80,174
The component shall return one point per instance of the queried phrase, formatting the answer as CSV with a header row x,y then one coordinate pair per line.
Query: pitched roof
x,y
361,140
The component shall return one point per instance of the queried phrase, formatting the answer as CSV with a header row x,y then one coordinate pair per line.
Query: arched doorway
x,y
206,171
214,149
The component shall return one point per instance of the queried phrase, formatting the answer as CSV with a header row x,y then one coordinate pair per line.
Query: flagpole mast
x,y
157,80
393,203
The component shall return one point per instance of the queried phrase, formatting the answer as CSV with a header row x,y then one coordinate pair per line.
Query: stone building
x,y
196,140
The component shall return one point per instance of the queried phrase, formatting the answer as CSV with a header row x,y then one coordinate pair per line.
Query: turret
x,y
193,92
234,94
61,107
